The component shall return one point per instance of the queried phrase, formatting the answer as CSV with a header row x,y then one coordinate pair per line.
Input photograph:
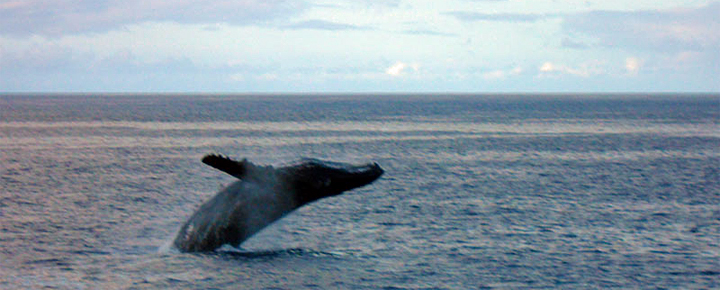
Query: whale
x,y
262,195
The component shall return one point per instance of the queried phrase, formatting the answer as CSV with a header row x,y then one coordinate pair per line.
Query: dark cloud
x,y
324,25
466,16
674,30
58,17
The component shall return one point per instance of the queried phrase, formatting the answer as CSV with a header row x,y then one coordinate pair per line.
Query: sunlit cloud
x,y
399,68
584,70
632,65
502,74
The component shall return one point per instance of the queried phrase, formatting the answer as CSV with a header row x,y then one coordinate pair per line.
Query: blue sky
x,y
359,46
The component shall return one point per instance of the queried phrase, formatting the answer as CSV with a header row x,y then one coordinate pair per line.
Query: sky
x,y
359,46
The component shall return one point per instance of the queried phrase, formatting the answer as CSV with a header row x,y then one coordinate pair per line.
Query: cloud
x,y
39,58
682,39
373,3
427,32
673,30
466,16
398,68
584,70
324,25
59,17
502,74
50,67
632,65
570,43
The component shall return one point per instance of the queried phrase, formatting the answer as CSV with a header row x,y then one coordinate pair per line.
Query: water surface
x,y
480,191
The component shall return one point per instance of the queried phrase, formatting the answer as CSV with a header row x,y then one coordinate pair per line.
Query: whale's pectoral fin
x,y
227,165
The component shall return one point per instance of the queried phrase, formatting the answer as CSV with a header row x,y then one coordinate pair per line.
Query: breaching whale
x,y
263,195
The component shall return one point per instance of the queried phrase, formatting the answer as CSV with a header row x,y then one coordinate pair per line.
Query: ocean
x,y
539,191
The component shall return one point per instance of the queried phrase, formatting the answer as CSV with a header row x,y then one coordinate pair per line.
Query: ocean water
x,y
480,191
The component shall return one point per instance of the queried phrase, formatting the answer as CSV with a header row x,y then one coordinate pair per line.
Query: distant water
x,y
480,191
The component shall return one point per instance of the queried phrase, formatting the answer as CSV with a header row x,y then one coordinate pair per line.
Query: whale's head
x,y
314,179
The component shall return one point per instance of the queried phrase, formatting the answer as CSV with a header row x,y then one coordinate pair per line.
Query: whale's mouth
x,y
352,176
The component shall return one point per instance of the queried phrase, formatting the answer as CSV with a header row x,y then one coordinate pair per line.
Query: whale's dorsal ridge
x,y
225,164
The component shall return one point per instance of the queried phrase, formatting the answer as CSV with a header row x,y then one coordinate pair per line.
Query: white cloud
x,y
395,69
585,70
502,74
632,65
399,67
496,74
548,67
237,77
